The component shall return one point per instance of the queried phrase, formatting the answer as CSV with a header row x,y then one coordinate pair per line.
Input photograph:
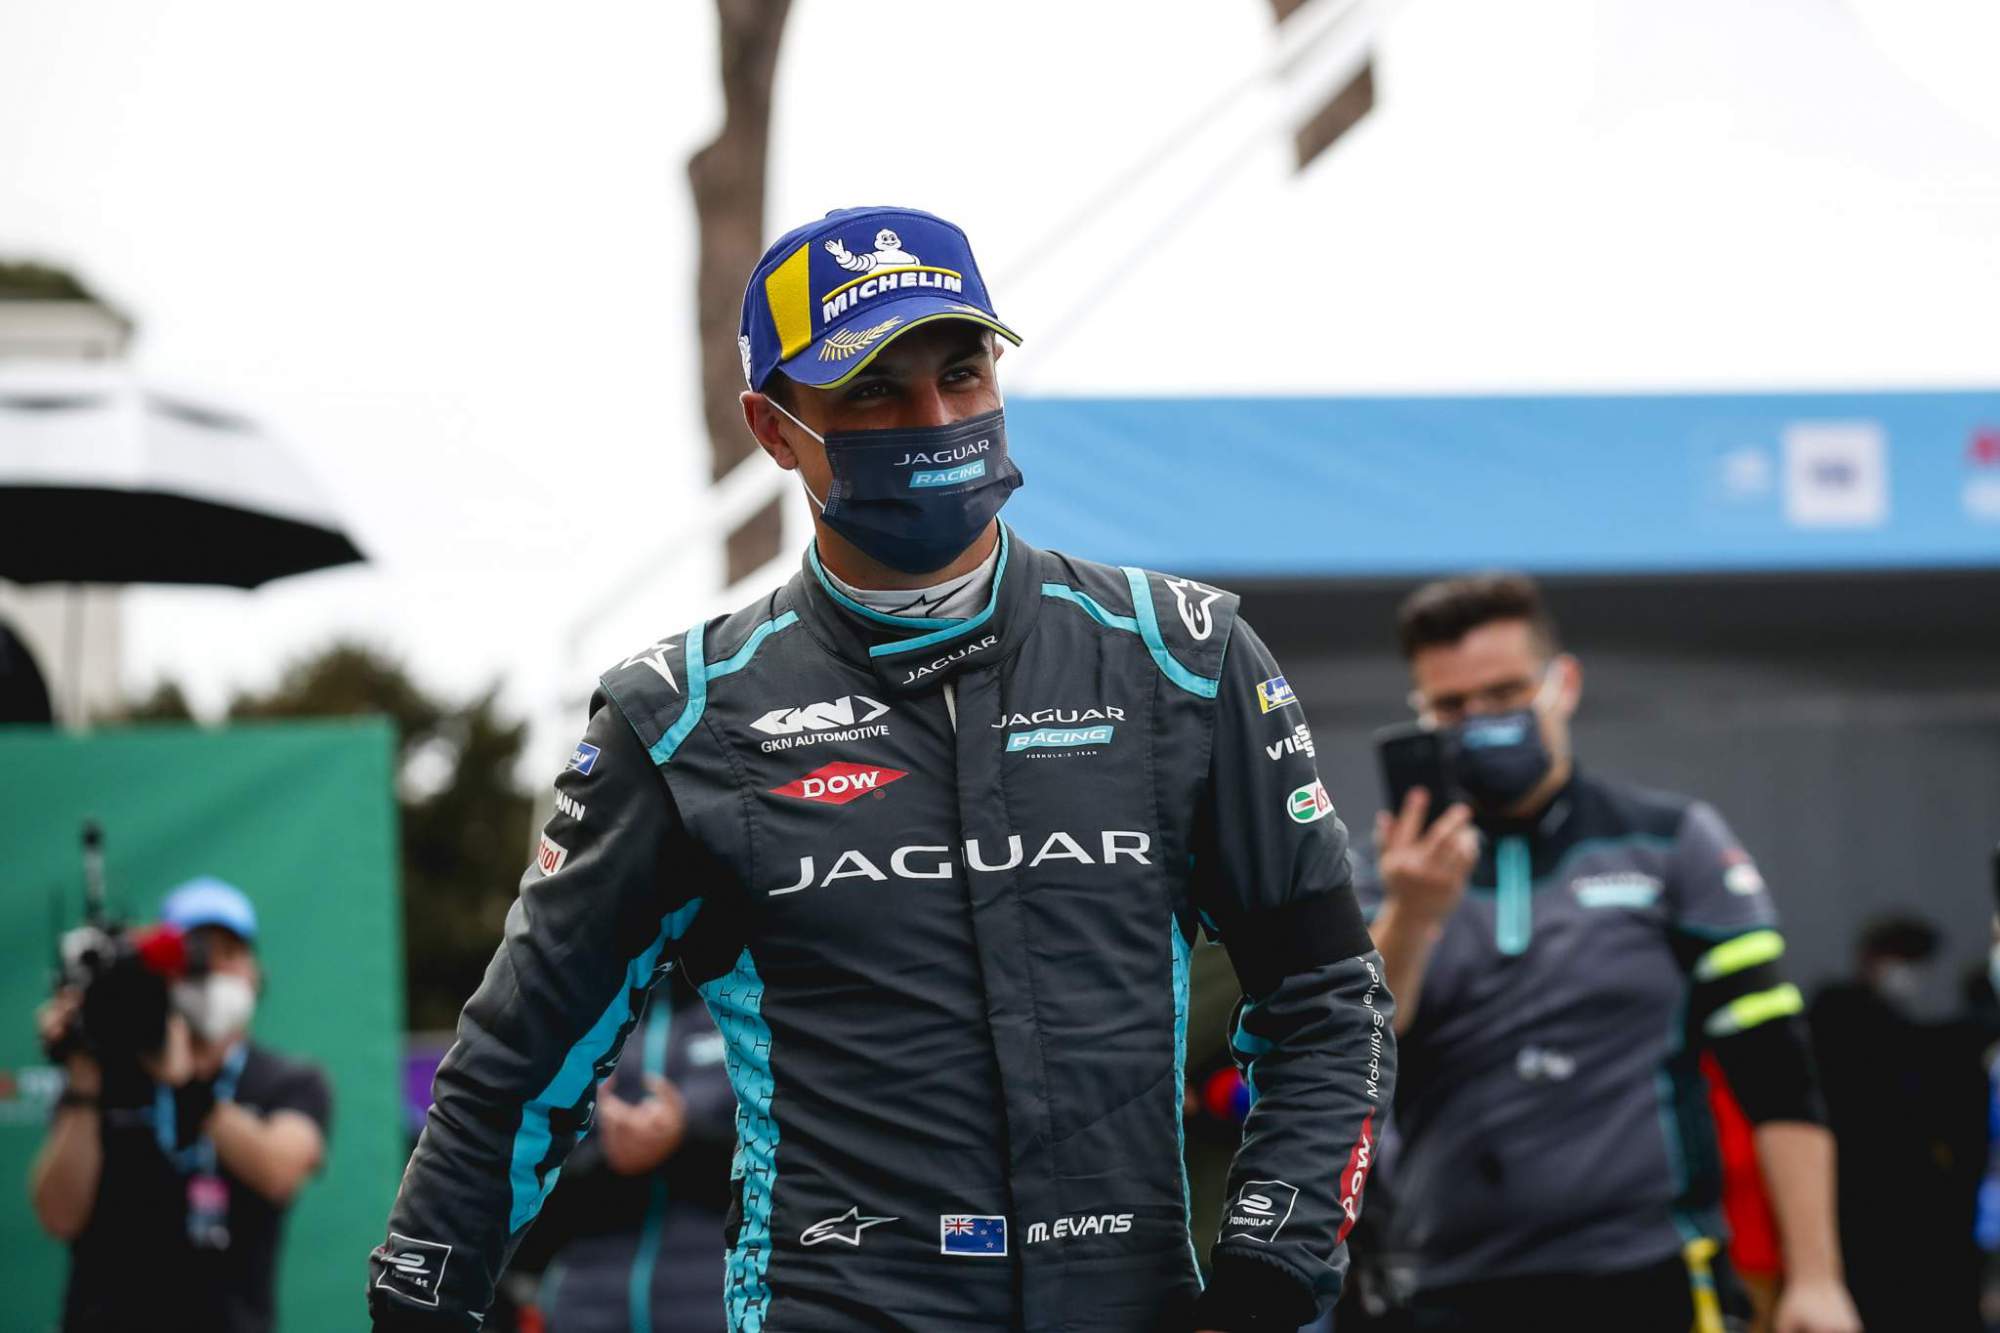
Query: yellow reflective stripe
x,y
788,289
1759,946
1747,1011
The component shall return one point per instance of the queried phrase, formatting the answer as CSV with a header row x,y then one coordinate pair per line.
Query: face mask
x,y
218,1006
1500,757
915,499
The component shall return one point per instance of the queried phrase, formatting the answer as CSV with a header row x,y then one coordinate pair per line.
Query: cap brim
x,y
823,365
234,927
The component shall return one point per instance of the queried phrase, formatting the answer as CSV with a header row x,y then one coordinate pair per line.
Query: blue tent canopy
x,y
1373,487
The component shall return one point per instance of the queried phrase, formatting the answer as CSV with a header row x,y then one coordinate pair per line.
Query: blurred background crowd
x,y
368,382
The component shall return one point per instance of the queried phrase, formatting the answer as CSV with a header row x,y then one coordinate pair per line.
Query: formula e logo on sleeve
x,y
1274,694
1309,803
583,758
1192,601
839,783
413,1267
1260,1210
550,855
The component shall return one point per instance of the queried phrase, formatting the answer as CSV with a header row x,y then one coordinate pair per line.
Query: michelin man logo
x,y
889,253
743,346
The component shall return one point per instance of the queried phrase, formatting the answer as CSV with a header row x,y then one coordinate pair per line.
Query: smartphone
x,y
1413,756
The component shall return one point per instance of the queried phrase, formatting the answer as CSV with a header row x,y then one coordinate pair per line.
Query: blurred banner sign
x,y
1392,487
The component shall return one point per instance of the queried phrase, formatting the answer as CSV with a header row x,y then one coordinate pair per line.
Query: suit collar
x,y
919,658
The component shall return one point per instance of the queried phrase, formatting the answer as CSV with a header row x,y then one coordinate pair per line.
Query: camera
x,y
124,975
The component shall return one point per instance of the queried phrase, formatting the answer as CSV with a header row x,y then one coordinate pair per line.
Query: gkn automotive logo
x,y
848,718
839,783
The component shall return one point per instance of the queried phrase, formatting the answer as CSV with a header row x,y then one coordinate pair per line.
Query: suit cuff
x,y
1246,1295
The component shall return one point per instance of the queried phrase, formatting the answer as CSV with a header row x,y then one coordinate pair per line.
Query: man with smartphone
x,y
1563,947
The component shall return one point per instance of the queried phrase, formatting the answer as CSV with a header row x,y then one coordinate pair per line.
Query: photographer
x,y
1564,946
173,1156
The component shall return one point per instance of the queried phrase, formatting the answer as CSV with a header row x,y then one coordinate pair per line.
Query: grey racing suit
x,y
1552,1115
938,883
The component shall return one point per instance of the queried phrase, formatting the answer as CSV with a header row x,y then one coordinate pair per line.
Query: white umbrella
x,y
105,480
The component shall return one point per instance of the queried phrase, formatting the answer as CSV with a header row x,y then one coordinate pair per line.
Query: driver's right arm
x,y
598,915
1422,874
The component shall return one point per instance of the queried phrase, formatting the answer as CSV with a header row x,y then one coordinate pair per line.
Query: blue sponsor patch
x,y
950,476
985,1237
1056,736
584,759
1274,694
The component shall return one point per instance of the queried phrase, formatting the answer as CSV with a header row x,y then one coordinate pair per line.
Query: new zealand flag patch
x,y
981,1237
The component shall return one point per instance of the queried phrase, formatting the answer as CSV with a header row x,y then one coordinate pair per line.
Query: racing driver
x,y
932,828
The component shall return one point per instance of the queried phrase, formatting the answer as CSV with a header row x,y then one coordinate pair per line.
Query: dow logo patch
x,y
838,783
1260,1210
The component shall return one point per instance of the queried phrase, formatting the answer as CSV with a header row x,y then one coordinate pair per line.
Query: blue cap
x,y
209,901
828,296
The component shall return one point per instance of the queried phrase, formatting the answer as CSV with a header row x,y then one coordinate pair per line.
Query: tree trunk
x,y
727,179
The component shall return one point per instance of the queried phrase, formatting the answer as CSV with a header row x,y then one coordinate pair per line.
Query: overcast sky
x,y
445,250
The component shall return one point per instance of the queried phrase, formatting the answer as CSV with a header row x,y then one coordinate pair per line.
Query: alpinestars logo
x,y
413,1267
846,1228
1192,600
654,659
844,719
839,783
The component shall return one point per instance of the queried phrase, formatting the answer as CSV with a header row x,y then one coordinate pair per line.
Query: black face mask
x,y
1500,758
914,499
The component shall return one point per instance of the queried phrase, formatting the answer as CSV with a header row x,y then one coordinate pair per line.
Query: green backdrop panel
x,y
302,817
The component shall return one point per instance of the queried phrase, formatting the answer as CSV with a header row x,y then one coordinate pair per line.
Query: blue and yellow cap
x,y
828,296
